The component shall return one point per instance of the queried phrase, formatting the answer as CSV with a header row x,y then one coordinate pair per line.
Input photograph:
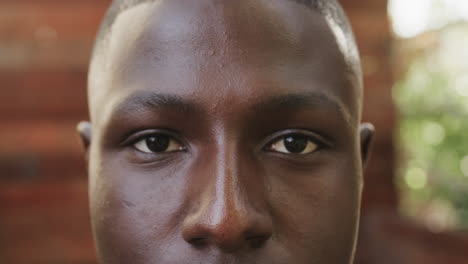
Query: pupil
x,y
296,143
158,143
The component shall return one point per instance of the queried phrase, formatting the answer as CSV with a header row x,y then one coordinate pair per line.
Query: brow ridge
x,y
149,100
304,100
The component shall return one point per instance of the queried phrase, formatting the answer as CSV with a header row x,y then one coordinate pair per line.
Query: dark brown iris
x,y
158,143
296,143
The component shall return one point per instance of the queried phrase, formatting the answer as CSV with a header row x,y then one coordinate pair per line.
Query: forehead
x,y
224,51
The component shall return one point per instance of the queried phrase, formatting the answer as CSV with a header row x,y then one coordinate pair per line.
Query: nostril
x,y
199,242
257,241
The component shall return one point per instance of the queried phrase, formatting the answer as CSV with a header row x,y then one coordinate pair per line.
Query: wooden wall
x,y
44,52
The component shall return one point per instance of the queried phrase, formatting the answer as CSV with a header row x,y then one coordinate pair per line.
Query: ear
x,y
85,130
366,132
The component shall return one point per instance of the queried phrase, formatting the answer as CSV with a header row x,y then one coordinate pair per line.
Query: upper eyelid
x,y
314,136
320,145
139,135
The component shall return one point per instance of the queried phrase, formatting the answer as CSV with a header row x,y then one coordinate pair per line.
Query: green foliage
x,y
433,131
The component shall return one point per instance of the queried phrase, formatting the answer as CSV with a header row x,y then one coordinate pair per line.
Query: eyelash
x,y
318,140
145,134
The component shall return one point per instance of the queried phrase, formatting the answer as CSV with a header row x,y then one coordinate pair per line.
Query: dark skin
x,y
225,132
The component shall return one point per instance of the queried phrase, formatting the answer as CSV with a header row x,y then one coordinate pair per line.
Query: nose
x,y
230,211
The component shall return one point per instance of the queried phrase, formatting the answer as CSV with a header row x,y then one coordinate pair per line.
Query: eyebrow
x,y
143,101
147,101
304,100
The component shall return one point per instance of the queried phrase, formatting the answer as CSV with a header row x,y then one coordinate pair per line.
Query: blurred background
x,y
415,61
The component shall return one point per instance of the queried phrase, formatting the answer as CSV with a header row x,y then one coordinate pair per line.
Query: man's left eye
x,y
294,144
158,144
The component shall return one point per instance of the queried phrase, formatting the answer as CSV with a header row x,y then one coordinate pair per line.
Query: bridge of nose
x,y
228,209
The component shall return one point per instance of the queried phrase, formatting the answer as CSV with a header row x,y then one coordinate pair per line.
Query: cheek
x,y
134,209
318,211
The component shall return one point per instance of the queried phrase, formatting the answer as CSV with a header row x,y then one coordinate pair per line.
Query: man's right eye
x,y
158,143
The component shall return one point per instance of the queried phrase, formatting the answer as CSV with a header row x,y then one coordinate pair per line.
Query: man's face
x,y
224,132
